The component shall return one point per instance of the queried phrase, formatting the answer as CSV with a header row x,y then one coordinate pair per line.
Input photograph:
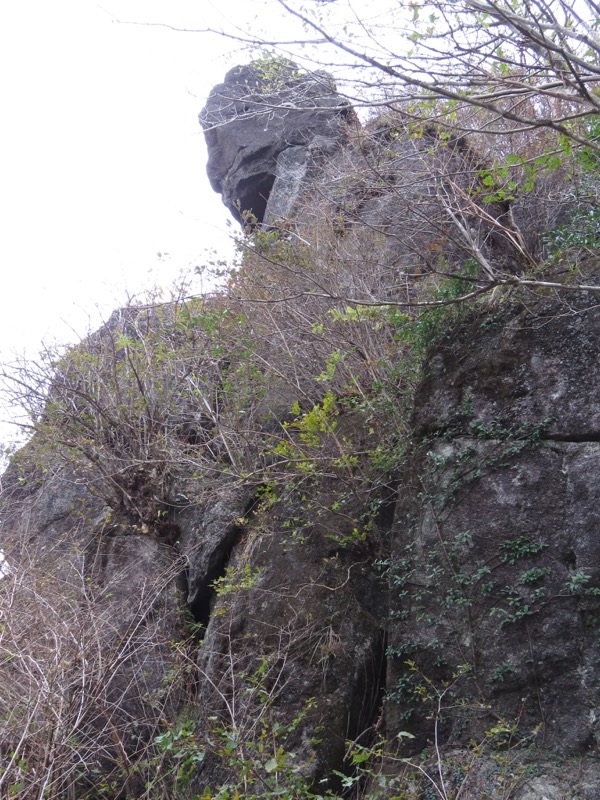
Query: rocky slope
x,y
254,528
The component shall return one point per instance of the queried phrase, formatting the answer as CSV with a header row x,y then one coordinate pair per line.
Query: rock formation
x,y
276,542
499,532
264,126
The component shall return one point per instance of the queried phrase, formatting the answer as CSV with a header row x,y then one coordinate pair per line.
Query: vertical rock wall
x,y
495,585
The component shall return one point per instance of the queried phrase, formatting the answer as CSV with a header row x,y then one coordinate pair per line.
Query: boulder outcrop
x,y
497,544
280,542
265,125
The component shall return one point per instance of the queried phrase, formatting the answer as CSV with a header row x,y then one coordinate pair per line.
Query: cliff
x,y
331,532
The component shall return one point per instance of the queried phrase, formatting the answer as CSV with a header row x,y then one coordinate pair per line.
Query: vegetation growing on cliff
x,y
292,390
476,65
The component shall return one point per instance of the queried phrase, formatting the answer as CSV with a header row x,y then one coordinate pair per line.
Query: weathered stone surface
x,y
298,646
575,782
290,173
258,113
515,775
491,617
208,535
292,620
496,542
520,368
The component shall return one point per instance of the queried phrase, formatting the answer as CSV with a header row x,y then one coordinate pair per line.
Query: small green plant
x,y
578,584
433,773
501,671
582,232
520,547
236,579
533,575
181,744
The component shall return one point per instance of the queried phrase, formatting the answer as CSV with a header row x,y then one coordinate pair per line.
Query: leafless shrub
x,y
85,690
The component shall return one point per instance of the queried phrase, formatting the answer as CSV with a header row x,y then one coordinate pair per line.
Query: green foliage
x,y
421,332
520,547
180,744
582,232
444,589
526,434
275,71
499,185
515,606
588,157
578,584
254,750
236,579
383,770
475,449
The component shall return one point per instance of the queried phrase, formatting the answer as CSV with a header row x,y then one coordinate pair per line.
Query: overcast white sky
x,y
102,160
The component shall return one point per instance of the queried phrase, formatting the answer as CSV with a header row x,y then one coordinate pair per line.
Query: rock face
x,y
242,538
264,126
499,540
193,596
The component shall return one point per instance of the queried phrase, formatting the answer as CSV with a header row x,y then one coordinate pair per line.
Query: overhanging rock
x,y
264,126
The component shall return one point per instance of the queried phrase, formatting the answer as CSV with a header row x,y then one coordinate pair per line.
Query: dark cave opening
x,y
201,606
254,195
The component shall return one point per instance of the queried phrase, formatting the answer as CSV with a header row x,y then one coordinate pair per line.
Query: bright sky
x,y
102,160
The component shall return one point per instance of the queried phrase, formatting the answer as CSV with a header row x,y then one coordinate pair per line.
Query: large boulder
x,y
262,126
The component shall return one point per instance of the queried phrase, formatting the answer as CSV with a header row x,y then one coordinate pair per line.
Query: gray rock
x,y
520,369
298,645
256,114
290,173
498,536
494,553
208,535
